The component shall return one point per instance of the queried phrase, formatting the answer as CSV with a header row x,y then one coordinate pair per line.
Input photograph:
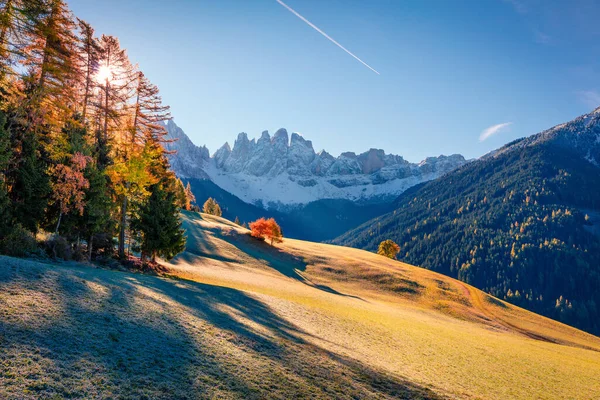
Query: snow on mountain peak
x,y
279,171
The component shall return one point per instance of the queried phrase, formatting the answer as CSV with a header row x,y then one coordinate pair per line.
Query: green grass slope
x,y
236,318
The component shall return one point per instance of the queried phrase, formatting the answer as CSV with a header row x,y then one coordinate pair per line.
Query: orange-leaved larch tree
x,y
69,186
266,229
388,248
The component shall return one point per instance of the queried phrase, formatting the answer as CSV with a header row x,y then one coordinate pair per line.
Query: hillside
x,y
317,221
519,223
235,318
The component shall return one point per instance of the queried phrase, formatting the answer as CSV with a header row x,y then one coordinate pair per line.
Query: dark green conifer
x,y
159,226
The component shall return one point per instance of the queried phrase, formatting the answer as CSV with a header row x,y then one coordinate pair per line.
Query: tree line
x,y
516,226
82,139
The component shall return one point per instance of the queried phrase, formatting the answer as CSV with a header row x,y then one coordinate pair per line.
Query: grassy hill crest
x,y
238,318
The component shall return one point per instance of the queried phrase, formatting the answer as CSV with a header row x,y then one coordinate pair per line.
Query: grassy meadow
x,y
236,318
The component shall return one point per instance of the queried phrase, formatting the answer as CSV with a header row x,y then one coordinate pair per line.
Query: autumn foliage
x,y
70,185
82,138
266,229
388,248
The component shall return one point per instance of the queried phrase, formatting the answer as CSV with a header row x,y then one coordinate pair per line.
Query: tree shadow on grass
x,y
106,334
271,256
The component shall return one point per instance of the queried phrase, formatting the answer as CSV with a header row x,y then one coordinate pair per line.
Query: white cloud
x,y
492,130
590,98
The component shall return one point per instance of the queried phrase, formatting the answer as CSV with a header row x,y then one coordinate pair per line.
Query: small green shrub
x,y
18,243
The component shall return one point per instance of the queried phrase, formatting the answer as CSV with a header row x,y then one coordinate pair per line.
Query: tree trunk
x,y
122,231
88,77
4,31
58,224
106,90
105,130
90,246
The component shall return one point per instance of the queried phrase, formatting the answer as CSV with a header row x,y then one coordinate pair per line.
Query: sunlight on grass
x,y
300,320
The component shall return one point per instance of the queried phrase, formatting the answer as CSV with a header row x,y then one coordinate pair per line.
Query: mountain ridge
x,y
515,223
283,171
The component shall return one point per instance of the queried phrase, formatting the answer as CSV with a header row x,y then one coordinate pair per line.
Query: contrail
x,y
326,35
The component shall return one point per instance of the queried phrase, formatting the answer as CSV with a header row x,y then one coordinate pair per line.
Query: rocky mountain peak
x,y
297,173
281,136
264,138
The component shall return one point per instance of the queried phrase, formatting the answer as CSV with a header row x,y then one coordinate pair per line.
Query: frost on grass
x,y
77,332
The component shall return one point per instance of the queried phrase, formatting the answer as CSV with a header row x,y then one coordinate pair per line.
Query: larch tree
x,y
50,60
388,248
15,20
128,171
150,113
146,132
115,77
68,191
189,197
212,207
267,229
81,134
88,60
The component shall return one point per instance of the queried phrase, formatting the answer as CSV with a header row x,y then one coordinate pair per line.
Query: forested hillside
x,y
81,141
516,224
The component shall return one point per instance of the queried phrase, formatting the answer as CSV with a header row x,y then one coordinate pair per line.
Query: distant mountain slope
x,y
517,223
317,221
283,172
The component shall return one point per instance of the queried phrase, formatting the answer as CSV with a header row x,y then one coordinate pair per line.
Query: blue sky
x,y
449,70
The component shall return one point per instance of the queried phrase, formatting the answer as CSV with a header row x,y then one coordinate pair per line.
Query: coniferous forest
x,y
83,170
517,226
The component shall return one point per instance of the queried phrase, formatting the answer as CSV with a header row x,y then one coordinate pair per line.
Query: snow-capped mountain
x,y
280,171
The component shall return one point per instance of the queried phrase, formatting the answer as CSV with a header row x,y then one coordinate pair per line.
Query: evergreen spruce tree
x,y
5,156
29,184
159,226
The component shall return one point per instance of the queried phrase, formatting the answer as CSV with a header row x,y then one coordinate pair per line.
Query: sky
x,y
416,78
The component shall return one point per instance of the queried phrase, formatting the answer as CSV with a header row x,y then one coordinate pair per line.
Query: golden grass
x,y
302,320
426,327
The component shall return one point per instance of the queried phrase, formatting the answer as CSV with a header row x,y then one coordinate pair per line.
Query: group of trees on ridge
x,y
262,228
515,225
81,139
212,207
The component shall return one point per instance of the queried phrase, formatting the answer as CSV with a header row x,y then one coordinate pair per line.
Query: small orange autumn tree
x,y
389,249
267,229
